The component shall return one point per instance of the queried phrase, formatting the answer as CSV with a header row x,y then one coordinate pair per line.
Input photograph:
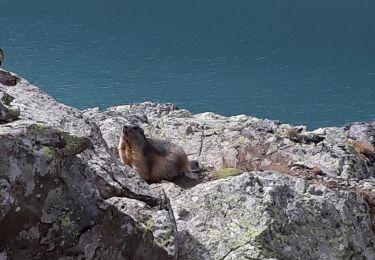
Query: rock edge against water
x,y
268,190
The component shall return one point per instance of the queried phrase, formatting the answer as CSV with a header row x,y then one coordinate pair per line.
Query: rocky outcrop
x,y
306,194
50,205
246,142
267,190
263,215
58,182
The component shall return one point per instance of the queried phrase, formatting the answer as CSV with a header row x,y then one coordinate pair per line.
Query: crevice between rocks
x,y
106,191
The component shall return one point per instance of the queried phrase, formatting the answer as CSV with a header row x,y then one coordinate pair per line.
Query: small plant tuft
x,y
227,172
362,147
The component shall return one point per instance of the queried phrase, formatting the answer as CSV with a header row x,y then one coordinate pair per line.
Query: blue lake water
x,y
298,61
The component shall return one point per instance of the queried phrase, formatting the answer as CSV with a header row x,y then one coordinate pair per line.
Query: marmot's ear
x,y
125,128
140,130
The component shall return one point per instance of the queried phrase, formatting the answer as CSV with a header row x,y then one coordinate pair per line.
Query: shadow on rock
x,y
51,207
190,248
186,183
8,79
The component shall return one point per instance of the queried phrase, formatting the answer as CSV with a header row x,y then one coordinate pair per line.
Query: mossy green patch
x,y
47,152
165,239
65,220
7,99
227,172
148,227
74,144
36,129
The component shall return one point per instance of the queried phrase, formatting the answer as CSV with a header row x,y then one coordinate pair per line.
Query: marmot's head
x,y
134,135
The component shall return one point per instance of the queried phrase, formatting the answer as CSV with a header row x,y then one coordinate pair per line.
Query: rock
x,y
323,159
57,178
51,207
7,112
361,131
242,142
263,215
7,79
154,222
1,56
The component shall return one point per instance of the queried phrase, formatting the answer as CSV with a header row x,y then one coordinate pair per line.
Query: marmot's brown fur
x,y
154,159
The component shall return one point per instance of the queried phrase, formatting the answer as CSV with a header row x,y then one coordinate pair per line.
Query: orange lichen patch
x,y
362,147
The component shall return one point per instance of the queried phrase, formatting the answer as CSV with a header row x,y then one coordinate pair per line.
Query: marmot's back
x,y
165,147
171,160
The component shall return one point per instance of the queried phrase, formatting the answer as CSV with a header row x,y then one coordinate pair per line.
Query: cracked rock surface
x,y
7,111
267,190
263,215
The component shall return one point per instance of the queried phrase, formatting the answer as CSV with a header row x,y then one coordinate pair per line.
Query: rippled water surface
x,y
301,62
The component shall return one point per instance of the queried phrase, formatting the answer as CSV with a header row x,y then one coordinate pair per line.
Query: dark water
x,y
299,61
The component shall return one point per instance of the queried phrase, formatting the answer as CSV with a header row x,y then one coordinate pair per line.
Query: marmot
x,y
154,159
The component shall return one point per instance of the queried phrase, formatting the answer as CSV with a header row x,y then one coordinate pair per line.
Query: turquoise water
x,y
298,61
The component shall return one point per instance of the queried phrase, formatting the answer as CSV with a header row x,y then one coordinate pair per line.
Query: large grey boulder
x,y
7,78
58,182
51,207
263,215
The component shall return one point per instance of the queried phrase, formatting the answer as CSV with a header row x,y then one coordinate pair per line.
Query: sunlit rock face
x,y
58,182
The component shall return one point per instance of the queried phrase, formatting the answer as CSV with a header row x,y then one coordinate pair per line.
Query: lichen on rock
x,y
7,112
54,166
226,172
